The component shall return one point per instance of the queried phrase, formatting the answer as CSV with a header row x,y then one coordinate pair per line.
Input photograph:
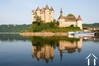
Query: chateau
x,y
46,14
65,21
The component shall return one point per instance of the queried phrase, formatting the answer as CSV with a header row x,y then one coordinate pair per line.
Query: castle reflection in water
x,y
46,52
43,48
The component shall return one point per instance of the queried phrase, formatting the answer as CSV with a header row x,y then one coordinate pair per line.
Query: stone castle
x,y
47,15
65,21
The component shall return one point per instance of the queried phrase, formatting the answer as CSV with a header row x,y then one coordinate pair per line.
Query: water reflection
x,y
88,38
12,37
46,53
17,37
46,50
43,48
69,47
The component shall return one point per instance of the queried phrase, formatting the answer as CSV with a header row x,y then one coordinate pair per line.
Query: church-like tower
x,y
46,14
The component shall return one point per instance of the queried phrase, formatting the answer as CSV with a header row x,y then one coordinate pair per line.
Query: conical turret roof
x,y
79,18
46,7
33,12
51,9
38,9
42,10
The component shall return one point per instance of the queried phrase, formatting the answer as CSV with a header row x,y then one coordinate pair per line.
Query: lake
x,y
16,50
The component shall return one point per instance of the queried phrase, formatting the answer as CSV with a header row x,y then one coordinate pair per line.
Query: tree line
x,y
18,28
94,25
13,28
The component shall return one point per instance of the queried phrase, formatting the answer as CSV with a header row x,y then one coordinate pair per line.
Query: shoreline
x,y
43,34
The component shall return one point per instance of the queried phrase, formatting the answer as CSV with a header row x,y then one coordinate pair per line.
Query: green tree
x,y
70,15
71,25
55,21
38,19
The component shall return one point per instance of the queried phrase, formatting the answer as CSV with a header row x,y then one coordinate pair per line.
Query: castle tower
x,y
61,18
51,14
33,15
46,13
42,14
79,22
38,11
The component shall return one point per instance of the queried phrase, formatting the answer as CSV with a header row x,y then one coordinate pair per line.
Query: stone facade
x,y
65,21
46,14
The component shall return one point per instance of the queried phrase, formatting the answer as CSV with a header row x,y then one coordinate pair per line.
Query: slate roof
x,y
42,10
46,7
38,9
51,9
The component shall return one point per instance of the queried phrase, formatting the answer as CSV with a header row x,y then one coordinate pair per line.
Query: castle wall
x,y
51,16
46,15
62,23
79,23
33,19
42,17
38,13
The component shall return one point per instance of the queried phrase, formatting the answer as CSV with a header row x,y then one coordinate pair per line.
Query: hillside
x,y
13,28
94,25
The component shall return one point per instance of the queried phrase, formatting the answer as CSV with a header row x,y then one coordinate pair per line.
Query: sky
x,y
19,11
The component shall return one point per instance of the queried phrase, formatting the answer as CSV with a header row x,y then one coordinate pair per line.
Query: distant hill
x,y
94,25
13,28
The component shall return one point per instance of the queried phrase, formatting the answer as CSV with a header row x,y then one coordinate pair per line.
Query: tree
x,y
55,21
38,19
71,25
70,15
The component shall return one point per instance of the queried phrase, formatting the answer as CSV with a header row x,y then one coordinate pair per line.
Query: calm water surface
x,y
16,50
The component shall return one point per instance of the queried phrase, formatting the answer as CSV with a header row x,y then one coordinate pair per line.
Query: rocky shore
x,y
44,34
